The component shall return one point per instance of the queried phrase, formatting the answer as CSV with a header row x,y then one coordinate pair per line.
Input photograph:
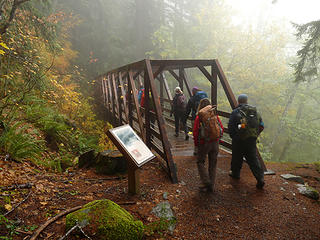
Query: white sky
x,y
298,11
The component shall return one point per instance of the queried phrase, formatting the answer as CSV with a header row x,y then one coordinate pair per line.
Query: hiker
x,y
245,125
207,132
179,104
140,93
192,107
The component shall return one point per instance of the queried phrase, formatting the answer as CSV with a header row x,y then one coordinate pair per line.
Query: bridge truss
x,y
119,95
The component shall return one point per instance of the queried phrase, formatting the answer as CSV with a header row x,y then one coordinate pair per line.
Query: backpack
x,y
181,102
197,98
210,128
250,121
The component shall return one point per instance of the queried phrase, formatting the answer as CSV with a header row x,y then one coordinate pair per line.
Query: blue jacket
x,y
193,104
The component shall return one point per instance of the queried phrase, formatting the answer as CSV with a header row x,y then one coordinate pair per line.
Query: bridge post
x,y
214,86
149,79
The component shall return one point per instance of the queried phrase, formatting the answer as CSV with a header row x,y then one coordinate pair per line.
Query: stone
x,y
292,177
309,192
165,196
87,159
104,219
111,162
164,212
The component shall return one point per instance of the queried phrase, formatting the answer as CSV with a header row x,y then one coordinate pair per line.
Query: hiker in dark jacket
x,y
244,140
194,101
179,103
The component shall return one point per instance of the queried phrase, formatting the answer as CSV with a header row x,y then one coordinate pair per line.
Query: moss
x,y
108,219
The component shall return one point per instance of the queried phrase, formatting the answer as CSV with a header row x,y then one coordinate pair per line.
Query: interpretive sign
x,y
134,149
132,144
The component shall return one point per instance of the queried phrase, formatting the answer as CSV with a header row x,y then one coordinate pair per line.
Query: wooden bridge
x,y
118,94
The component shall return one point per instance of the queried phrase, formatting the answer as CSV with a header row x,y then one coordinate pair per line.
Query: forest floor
x,y
236,209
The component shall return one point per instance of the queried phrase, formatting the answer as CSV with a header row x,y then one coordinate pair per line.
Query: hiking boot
x,y
260,184
206,188
233,175
187,137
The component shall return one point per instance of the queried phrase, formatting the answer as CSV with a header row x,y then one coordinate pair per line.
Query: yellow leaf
x,y
4,45
8,207
2,52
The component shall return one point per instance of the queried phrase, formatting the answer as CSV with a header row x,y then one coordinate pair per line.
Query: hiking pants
x,y
248,149
211,149
179,119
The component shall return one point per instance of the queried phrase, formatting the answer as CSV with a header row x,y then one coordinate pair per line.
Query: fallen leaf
x,y
8,207
43,203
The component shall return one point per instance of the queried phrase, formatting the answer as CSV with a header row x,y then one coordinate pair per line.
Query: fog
x,y
253,40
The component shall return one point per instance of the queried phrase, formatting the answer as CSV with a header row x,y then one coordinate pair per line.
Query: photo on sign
x,y
132,144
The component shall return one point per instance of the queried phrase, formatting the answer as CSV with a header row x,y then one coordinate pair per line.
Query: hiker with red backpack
x,y
192,106
245,125
179,104
207,132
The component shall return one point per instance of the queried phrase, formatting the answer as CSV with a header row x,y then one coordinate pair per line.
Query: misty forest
x,y
51,53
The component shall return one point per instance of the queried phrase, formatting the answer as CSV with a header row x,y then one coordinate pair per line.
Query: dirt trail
x,y
236,210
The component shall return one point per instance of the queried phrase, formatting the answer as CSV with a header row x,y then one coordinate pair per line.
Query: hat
x,y
177,90
195,89
242,98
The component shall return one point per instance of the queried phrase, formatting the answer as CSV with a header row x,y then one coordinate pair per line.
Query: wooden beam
x,y
166,86
186,81
205,72
161,91
227,89
116,102
160,70
112,96
119,102
174,75
124,98
181,78
161,123
136,103
130,104
214,86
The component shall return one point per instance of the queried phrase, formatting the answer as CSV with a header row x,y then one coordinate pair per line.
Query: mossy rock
x,y
104,219
309,192
111,162
87,159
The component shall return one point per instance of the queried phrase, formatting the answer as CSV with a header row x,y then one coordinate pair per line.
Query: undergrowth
x,y
47,137
21,142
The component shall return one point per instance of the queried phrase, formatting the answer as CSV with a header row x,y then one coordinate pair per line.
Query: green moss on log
x,y
107,220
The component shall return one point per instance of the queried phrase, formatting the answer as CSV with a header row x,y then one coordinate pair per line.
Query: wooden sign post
x,y
134,150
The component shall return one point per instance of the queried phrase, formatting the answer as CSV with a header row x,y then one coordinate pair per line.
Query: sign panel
x,y
132,144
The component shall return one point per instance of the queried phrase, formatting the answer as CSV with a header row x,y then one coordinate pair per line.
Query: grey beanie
x,y
242,98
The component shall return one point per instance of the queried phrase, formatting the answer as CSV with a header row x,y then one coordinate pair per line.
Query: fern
x,y
20,142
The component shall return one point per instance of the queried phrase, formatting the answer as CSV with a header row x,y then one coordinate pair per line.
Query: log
x,y
51,220
111,162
